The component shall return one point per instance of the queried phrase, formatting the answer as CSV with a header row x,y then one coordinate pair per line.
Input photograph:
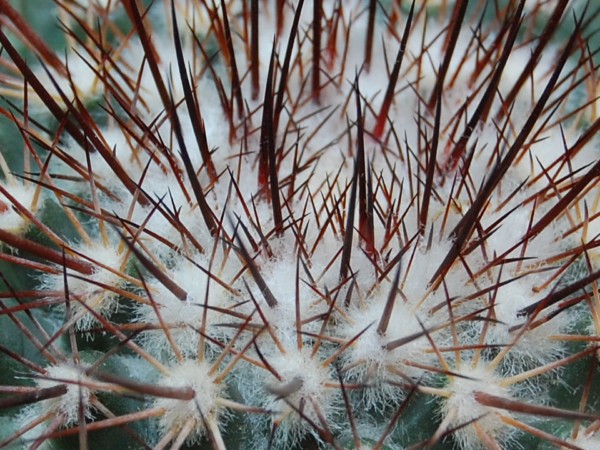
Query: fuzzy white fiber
x,y
287,310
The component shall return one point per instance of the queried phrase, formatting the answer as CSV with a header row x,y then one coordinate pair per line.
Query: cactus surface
x,y
295,225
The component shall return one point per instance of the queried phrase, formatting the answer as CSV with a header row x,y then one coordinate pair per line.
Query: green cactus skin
x,y
386,238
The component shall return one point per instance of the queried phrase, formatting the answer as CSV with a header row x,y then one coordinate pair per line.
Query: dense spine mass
x,y
289,224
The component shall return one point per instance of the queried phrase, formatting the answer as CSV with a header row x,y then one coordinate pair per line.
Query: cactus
x,y
293,225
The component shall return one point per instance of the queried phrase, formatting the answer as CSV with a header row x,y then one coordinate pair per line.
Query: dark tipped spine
x,y
431,164
461,232
458,17
285,68
488,96
366,228
254,50
370,34
268,147
542,41
316,48
236,86
192,106
389,93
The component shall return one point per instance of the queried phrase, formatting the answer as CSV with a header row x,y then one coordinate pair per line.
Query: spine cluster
x,y
289,224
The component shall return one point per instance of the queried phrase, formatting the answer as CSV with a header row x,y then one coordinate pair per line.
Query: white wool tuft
x,y
203,409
